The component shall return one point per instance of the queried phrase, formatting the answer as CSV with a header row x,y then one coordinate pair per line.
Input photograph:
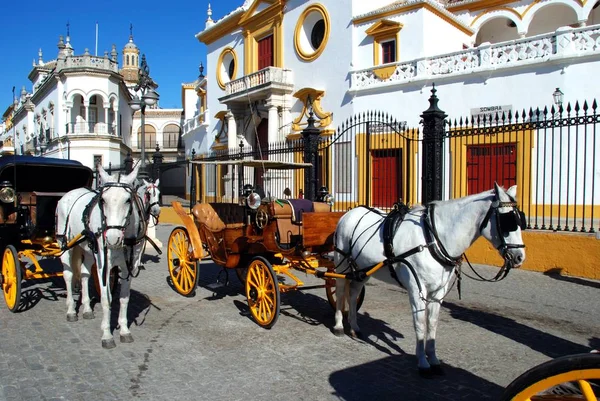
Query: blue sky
x,y
163,30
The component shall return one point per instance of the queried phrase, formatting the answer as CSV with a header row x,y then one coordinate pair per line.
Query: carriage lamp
x,y
7,192
323,195
253,201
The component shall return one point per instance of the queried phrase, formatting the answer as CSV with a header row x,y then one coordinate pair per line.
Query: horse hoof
x,y
437,370
127,338
71,317
356,334
426,373
108,344
338,332
88,315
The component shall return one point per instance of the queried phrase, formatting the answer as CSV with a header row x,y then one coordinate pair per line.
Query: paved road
x,y
207,348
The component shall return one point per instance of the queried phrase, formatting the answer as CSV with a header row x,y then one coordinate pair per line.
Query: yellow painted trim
x,y
315,54
383,31
192,230
258,26
381,142
315,95
220,79
479,5
222,29
524,143
512,11
384,72
410,7
572,254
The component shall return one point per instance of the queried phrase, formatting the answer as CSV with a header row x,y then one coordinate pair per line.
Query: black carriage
x,y
30,188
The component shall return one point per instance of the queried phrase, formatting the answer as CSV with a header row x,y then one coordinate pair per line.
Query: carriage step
x,y
215,286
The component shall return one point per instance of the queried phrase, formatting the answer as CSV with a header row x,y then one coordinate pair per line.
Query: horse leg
x,y
126,336
88,265
107,339
355,289
433,312
341,285
67,262
418,308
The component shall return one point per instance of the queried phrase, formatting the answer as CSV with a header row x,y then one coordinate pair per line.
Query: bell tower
x,y
131,60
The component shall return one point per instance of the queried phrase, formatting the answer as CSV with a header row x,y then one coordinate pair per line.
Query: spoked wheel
x,y
572,377
330,290
183,268
11,278
262,291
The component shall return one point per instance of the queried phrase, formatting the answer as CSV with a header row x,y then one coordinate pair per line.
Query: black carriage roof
x,y
44,174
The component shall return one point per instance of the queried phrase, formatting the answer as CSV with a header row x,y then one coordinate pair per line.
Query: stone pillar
x,y
231,130
106,106
434,122
273,124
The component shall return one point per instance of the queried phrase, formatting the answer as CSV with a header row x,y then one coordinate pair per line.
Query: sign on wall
x,y
489,112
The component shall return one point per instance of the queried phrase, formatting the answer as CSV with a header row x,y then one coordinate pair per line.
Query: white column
x,y
273,124
231,130
106,106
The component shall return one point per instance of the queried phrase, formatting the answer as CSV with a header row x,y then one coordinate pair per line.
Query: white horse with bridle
x,y
113,226
149,193
423,253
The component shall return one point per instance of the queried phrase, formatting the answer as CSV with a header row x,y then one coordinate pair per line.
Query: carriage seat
x,y
288,215
218,216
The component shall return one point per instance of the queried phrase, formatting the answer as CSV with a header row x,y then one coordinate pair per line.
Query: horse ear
x,y
157,181
512,192
104,177
131,177
497,188
145,183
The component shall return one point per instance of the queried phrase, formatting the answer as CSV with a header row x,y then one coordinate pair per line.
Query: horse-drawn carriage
x,y
30,188
264,239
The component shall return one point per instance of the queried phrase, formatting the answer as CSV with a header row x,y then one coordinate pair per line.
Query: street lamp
x,y
149,98
558,100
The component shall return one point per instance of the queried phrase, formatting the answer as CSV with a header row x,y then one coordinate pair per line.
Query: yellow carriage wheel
x,y
11,278
330,290
183,268
262,291
572,377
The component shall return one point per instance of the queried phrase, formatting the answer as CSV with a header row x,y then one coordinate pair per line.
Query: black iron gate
x,y
370,160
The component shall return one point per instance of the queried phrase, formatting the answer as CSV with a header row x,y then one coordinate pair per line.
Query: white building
x,y
267,59
78,108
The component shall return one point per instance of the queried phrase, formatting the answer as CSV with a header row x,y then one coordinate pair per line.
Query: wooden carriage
x,y
263,240
30,188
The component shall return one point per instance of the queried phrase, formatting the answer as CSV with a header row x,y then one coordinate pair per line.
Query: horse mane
x,y
468,198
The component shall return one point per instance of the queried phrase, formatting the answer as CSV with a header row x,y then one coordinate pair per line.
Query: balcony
x,y
97,129
259,85
194,123
565,43
88,61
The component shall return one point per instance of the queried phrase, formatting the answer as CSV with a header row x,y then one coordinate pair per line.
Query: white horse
x,y
149,193
113,225
423,254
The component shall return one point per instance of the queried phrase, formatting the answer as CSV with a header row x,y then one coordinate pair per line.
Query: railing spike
x,y
569,107
585,106
545,110
594,106
577,106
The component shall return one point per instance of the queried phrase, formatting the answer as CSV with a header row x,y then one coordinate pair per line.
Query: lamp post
x,y
149,98
558,97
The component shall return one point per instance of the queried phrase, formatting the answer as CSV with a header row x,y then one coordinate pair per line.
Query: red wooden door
x,y
491,163
265,52
386,178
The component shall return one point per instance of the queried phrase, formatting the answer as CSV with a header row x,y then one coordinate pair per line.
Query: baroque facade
x,y
79,109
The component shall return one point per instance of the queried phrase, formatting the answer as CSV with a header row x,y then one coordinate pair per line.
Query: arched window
x,y
150,132
127,62
171,136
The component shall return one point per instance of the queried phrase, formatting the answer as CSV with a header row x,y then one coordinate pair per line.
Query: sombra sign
x,y
489,113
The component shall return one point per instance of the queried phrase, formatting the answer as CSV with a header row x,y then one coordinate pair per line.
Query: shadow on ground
x,y
396,378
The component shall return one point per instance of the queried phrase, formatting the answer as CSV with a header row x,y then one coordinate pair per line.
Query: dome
x,y
130,45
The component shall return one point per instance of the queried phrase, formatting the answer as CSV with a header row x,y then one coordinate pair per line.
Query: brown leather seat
x,y
205,214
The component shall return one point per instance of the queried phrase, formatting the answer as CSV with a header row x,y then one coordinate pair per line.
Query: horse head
x,y
503,224
149,193
116,205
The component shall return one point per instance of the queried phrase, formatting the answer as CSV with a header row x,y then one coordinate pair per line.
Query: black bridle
x,y
149,192
105,188
506,223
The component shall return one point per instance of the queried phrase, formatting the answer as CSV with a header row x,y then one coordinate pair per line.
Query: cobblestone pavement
x,y
207,348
